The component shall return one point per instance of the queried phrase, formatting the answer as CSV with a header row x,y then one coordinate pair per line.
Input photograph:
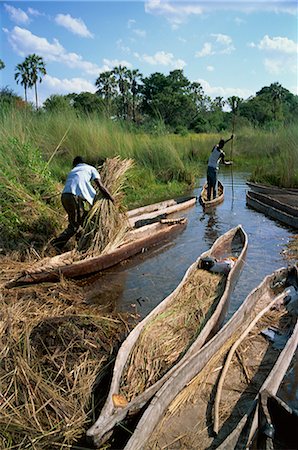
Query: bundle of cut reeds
x,y
106,224
167,336
53,348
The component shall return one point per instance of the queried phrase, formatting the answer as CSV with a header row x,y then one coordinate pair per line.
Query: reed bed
x,y
166,337
106,224
191,412
54,350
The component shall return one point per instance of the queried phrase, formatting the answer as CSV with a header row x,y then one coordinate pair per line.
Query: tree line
x,y
173,100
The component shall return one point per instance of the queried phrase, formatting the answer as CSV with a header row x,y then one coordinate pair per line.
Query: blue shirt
x,y
78,182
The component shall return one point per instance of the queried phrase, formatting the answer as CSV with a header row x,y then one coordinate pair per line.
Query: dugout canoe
x,y
232,244
140,216
274,208
216,201
137,241
270,190
277,423
182,413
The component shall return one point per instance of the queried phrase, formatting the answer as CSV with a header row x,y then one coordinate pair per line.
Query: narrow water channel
x,y
143,282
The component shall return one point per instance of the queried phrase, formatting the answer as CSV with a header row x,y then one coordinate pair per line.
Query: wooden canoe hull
x,y
273,208
196,363
270,190
138,241
156,210
211,203
277,423
110,415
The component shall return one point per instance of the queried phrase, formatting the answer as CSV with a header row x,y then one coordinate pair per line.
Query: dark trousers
x,y
74,206
211,182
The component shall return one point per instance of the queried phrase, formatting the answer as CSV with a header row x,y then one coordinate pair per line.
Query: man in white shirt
x,y
217,156
78,190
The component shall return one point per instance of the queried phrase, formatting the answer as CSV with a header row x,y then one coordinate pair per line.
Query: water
x,y
143,282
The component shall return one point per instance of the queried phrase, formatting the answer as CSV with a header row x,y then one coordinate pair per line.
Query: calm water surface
x,y
140,284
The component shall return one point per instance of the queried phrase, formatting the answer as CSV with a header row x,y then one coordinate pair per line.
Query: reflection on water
x,y
212,228
144,281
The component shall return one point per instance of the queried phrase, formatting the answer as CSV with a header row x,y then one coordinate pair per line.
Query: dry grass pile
x,y
53,351
189,418
106,224
167,336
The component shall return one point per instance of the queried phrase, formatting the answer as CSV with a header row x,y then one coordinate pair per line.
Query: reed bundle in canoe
x,y
164,339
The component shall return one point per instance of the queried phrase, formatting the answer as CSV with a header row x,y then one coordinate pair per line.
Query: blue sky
x,y
231,48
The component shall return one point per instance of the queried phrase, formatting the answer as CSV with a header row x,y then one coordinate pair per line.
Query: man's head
x,y
77,160
221,143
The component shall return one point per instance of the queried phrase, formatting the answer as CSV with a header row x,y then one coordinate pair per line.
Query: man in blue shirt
x,y
217,156
78,190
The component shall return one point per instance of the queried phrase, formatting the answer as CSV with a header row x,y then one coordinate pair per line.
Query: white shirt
x,y
215,156
78,182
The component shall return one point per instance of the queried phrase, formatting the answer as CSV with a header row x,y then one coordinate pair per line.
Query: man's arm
x,y
226,163
104,190
232,137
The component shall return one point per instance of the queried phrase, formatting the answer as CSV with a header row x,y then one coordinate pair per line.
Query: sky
x,y
231,47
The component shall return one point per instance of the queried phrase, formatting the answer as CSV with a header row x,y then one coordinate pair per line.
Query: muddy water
x,y
140,284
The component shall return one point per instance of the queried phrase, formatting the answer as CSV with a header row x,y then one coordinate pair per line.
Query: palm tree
x,y
22,76
134,76
121,73
2,65
277,95
106,87
37,70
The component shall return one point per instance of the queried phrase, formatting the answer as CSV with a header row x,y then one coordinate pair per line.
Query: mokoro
x,y
270,190
137,217
232,244
137,240
182,413
211,203
277,424
273,208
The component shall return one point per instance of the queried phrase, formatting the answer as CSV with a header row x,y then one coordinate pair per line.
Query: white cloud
x,y
175,13
34,12
223,44
210,68
24,42
75,26
139,33
238,21
162,58
124,48
65,85
17,15
206,50
278,44
131,23
218,91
